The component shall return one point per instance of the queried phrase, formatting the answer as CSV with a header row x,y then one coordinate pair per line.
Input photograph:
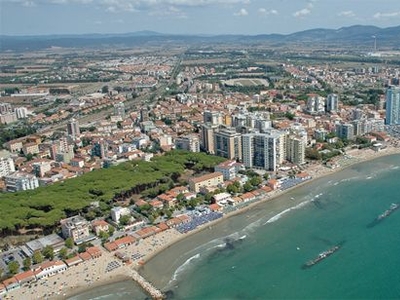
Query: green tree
x,y
255,181
266,176
232,189
105,89
27,263
37,257
82,247
48,252
111,230
104,235
124,220
13,267
63,253
247,187
69,243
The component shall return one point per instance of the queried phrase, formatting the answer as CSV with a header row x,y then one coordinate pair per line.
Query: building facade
x,y
77,228
20,181
208,180
263,150
332,103
228,143
7,166
393,106
188,142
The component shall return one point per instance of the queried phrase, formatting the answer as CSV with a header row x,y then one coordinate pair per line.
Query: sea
x,y
259,254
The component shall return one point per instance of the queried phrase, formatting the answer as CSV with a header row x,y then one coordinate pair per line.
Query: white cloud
x,y
305,11
28,3
347,13
169,11
241,13
380,15
264,11
301,13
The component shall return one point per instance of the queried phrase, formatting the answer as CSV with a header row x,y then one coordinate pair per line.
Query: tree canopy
x,y
44,207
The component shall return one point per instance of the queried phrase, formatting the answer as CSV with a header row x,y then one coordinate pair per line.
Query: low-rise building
x,y
99,226
229,169
208,180
49,268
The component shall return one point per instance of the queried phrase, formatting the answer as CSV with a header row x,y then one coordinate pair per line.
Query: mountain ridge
x,y
355,35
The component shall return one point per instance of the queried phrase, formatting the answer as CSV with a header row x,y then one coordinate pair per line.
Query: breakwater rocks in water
x,y
147,286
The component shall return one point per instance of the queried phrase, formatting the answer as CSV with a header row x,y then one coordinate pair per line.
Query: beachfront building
x,y
296,149
264,150
77,228
53,240
49,268
228,143
229,169
208,180
393,106
345,131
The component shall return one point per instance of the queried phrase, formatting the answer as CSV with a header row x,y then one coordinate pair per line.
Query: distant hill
x,y
357,36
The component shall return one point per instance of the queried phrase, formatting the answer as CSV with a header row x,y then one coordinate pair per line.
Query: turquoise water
x,y
266,262
259,254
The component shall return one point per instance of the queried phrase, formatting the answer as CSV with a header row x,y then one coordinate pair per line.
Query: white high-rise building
x,y
263,150
393,106
296,149
332,103
315,104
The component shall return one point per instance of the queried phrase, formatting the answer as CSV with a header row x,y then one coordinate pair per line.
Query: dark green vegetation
x,y
13,131
44,207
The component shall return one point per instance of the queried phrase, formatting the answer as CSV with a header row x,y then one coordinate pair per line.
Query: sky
x,y
43,17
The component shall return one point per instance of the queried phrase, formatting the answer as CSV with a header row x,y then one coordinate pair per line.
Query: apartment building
x,y
229,169
188,142
20,181
393,105
228,143
77,228
263,150
6,164
208,180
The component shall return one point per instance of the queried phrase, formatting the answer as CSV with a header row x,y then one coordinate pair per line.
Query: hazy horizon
x,y
193,17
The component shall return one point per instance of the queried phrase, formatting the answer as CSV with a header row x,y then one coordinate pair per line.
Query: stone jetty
x,y
147,286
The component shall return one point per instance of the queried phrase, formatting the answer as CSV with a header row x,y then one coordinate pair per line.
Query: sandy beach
x,y
93,273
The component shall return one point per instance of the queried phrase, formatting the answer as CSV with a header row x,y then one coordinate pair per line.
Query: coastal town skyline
x,y
33,17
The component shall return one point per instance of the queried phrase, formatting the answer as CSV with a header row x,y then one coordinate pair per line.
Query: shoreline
x,y
89,275
318,172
